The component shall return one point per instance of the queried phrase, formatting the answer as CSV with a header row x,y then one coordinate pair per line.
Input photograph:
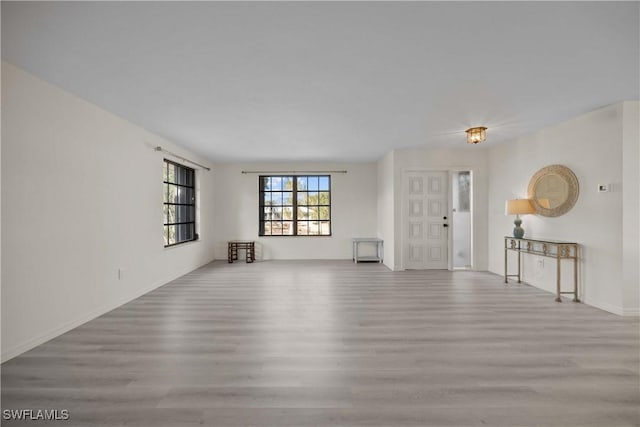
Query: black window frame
x,y
294,205
184,210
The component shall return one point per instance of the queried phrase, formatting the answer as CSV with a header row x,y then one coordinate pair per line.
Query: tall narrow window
x,y
295,205
179,204
461,219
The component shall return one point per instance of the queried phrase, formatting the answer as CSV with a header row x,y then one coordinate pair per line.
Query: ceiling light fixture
x,y
475,135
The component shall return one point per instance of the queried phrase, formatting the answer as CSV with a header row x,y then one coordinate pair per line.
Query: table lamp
x,y
518,207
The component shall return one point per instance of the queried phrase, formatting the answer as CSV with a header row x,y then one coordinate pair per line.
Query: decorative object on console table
x,y
518,207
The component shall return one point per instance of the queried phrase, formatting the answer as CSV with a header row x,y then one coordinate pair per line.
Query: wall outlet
x,y
120,274
604,188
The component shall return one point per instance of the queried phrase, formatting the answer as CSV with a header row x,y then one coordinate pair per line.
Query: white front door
x,y
425,222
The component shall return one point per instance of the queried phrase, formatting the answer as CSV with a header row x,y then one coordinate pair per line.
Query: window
x,y
179,204
295,205
463,187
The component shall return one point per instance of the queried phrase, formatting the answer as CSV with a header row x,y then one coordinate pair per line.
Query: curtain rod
x,y
294,172
159,148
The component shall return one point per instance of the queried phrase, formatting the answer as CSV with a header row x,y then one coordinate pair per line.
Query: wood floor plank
x,y
332,343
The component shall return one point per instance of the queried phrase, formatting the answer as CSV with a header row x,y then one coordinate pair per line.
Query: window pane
x,y
184,232
181,175
165,174
313,228
287,213
165,196
323,198
323,212
323,183
276,228
266,199
325,229
287,198
302,197
276,183
276,199
313,198
313,212
276,213
172,234
191,178
464,196
303,227
171,172
287,228
267,228
303,212
313,183
171,214
184,213
173,194
184,195
166,235
302,183
287,183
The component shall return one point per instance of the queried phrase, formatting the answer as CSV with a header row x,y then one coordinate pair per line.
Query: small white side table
x,y
368,240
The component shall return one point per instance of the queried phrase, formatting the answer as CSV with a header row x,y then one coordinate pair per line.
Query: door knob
x,y
444,217
445,225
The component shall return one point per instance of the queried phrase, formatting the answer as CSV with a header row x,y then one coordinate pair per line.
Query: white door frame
x,y
403,211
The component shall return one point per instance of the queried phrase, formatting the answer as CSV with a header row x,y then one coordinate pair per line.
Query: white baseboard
x,y
57,331
604,306
594,303
41,339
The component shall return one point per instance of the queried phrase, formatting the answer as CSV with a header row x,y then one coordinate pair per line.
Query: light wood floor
x,y
316,343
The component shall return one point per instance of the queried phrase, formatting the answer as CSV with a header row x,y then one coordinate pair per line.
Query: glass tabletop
x,y
542,240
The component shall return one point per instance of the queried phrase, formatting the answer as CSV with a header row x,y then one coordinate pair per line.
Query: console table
x,y
557,249
248,245
368,240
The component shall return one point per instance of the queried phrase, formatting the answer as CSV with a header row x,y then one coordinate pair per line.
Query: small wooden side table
x,y
248,245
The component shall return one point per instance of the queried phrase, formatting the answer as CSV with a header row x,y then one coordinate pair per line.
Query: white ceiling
x,y
318,81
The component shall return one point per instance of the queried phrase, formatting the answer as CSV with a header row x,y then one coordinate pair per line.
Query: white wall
x,y
472,158
82,197
353,210
386,208
591,146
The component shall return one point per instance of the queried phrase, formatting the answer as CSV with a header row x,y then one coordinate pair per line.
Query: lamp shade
x,y
518,207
